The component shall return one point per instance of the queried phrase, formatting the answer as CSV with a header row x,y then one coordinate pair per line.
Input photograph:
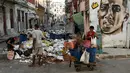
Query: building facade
x,y
111,22
18,15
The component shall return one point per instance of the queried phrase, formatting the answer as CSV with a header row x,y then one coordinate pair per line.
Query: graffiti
x,y
112,15
94,5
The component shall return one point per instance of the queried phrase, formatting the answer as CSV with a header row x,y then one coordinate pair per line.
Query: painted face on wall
x,y
111,15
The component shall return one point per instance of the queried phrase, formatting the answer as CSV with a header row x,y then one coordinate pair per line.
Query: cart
x,y
77,53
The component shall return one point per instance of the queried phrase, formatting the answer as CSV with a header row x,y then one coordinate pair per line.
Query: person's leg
x,y
33,61
34,58
39,60
40,55
94,55
92,52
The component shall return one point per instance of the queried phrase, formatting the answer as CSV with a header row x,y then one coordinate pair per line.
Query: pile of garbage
x,y
56,49
53,49
61,31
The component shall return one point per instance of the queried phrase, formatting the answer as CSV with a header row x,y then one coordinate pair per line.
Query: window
x,y
26,18
22,16
18,15
11,18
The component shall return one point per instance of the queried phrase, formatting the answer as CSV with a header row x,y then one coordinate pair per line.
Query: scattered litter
x,y
25,61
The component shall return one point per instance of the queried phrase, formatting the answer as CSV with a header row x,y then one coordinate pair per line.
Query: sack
x,y
17,56
28,52
10,55
93,42
87,43
85,57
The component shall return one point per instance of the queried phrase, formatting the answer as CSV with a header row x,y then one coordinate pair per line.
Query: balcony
x,y
20,2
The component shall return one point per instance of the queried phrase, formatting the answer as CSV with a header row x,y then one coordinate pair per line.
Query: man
x,y
11,47
37,45
10,43
111,16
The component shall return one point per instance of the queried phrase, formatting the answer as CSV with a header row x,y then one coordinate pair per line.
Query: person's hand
x,y
43,38
12,45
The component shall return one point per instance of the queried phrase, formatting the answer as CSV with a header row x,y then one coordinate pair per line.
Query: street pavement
x,y
119,65
105,66
115,53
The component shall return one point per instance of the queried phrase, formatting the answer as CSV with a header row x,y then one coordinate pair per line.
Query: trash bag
x,y
17,56
28,52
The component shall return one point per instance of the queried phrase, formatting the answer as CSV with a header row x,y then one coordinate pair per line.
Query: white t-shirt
x,y
38,35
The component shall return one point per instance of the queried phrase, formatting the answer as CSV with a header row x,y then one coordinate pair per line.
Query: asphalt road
x,y
105,66
2,45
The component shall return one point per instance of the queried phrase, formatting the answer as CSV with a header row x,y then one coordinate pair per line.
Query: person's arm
x,y
96,35
10,43
34,40
43,37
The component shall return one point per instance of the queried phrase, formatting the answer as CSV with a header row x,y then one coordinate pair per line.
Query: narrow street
x,y
57,31
106,66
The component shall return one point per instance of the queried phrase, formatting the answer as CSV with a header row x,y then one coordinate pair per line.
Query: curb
x,y
1,41
3,56
114,56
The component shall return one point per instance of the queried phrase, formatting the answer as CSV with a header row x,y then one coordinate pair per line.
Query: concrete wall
x,y
1,22
19,25
7,6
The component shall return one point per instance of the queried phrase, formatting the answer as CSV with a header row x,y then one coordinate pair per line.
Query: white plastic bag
x,y
17,56
85,57
93,42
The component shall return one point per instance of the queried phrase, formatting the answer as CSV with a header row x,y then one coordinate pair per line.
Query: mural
x,y
112,17
94,5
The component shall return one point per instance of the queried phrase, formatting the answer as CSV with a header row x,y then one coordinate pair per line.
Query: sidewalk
x,y
2,54
115,53
4,38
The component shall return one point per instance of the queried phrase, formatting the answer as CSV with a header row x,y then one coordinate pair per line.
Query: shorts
x,y
38,51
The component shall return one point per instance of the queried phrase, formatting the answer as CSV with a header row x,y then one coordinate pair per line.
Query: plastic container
x,y
23,37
